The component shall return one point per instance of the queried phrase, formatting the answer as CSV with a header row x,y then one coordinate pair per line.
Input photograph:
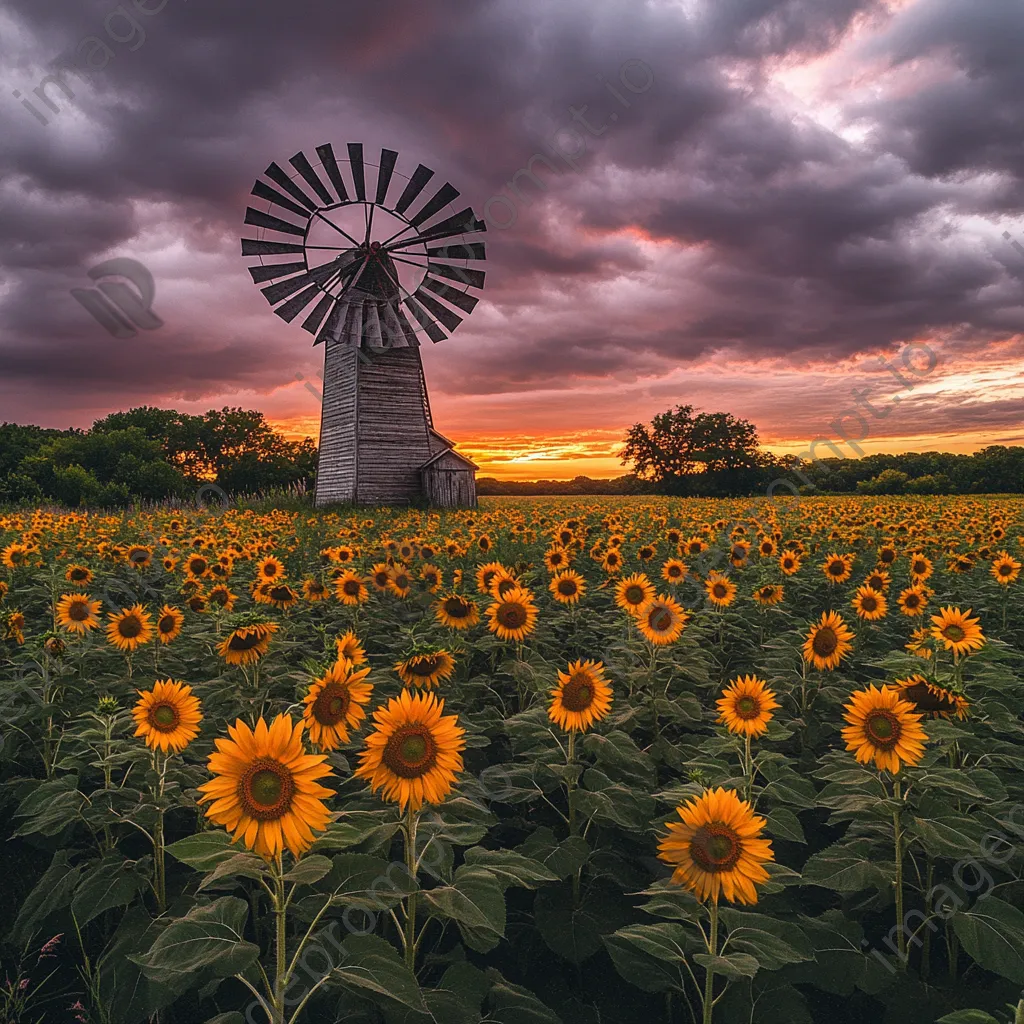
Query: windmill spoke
x,y
327,220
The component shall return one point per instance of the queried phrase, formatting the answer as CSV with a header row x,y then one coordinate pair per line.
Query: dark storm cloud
x,y
705,218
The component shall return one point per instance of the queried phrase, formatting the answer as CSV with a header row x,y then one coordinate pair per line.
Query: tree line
x,y
150,454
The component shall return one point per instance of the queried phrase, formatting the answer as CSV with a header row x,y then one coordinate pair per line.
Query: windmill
x,y
373,275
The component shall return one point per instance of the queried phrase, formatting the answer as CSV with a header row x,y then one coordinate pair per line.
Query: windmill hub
x,y
313,242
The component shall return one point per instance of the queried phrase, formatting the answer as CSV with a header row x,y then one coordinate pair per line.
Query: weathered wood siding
x,y
336,472
392,432
450,483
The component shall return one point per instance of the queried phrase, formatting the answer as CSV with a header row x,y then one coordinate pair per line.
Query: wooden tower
x,y
370,300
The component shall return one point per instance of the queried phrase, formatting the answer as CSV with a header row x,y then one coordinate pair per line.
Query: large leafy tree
x,y
681,445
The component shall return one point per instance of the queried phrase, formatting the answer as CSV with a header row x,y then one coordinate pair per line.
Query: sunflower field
x,y
659,760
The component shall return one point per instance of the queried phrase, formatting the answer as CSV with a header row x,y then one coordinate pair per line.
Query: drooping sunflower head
x,y
716,847
426,669
769,594
746,706
413,754
957,631
514,616
661,620
828,642
247,644
80,575
582,697
931,700
130,628
335,703
633,592
168,716
313,590
567,586
456,612
883,729
265,789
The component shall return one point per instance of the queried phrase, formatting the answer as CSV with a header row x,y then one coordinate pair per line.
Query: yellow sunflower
x,y
265,789
869,604
720,590
837,568
828,642
661,620
956,631
350,589
169,624
884,729
789,563
932,700
455,612
130,628
80,575
674,571
414,751
168,716
746,706
426,670
349,648
270,569
920,568
633,592
335,703
582,697
77,613
716,848
567,586
313,590
513,617
913,601
1005,569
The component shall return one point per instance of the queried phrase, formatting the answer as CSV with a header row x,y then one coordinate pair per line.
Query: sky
x,y
808,213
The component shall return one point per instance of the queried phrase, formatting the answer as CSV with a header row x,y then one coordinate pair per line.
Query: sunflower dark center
x,y
578,692
282,593
882,729
567,587
164,718
266,789
953,632
410,752
166,624
425,665
244,643
456,608
78,612
129,627
1005,570
633,594
512,615
401,581
659,619
719,590
715,848
825,642
351,588
837,568
332,704
748,707
868,603
79,574
925,698
919,568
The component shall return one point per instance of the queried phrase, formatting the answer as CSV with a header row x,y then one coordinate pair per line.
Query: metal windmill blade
x,y
372,261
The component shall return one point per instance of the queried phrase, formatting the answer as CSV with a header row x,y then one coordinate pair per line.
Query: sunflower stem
x,y
280,919
901,936
411,821
709,980
748,765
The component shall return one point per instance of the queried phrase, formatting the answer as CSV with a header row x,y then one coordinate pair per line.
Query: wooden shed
x,y
449,480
